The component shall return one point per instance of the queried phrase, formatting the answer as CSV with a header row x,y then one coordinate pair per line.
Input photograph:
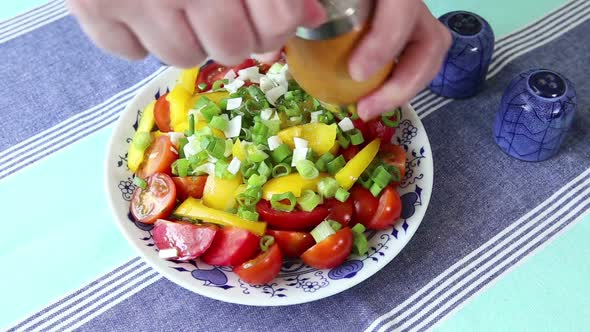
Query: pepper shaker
x,y
466,65
536,111
318,58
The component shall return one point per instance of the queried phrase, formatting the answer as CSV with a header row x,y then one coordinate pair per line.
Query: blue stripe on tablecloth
x,y
33,21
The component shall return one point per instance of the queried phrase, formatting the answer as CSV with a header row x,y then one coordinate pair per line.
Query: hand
x,y
184,32
407,29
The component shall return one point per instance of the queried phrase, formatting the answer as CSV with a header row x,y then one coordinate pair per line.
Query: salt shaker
x,y
536,111
466,65
318,58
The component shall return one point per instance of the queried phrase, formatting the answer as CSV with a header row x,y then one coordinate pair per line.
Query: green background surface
x,y
548,292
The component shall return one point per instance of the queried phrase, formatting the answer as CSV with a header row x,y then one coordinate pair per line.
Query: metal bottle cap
x,y
343,17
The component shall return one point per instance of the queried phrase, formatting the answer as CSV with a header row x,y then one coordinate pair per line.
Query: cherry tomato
x,y
214,71
154,202
341,212
374,129
330,252
388,212
190,186
190,241
350,152
291,221
292,244
158,158
231,247
262,269
394,155
365,204
162,114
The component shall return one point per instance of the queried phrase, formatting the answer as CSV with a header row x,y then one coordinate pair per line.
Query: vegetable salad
x,y
240,167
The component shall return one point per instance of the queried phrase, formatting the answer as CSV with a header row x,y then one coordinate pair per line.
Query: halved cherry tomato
x,y
350,152
394,155
374,129
365,204
162,114
214,71
154,202
291,221
262,269
158,157
341,212
292,244
190,186
388,212
231,247
190,241
330,252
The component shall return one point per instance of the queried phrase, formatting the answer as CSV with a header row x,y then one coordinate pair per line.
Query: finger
x,y
224,31
391,28
166,33
268,57
275,21
112,36
418,64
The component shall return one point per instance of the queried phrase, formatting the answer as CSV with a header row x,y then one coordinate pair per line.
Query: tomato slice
x,y
291,221
231,247
388,212
190,186
158,157
190,241
154,202
365,204
292,244
350,152
394,155
330,252
213,71
341,212
162,114
374,129
262,269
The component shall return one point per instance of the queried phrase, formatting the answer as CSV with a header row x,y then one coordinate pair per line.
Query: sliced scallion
x,y
342,195
141,183
322,163
266,242
281,153
281,169
309,200
322,231
356,137
307,169
336,165
276,201
217,122
327,187
248,213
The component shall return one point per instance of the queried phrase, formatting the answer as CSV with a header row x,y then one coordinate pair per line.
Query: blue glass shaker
x,y
466,65
536,111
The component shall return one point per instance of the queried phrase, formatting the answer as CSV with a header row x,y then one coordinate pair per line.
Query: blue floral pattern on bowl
x,y
297,282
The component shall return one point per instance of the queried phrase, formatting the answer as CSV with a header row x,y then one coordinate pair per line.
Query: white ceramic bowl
x,y
297,282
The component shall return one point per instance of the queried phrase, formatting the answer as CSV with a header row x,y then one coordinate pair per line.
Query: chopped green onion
x,y
309,200
248,169
218,122
327,187
307,169
275,68
392,119
336,226
311,155
250,197
322,163
214,145
342,195
360,245
343,140
322,231
257,180
221,169
141,183
381,176
223,103
256,93
217,85
142,140
365,180
181,167
209,111
316,103
202,103
281,153
336,165
266,242
248,213
182,142
396,175
274,126
356,137
354,116
358,229
277,204
376,189
202,86
264,169
281,169
255,153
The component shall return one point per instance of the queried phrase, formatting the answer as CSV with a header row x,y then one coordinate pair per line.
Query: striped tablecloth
x,y
492,252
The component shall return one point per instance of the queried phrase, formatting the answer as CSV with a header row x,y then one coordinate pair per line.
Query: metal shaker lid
x,y
343,17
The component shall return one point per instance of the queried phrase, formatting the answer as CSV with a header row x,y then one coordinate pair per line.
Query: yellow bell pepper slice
x,y
215,97
188,79
180,124
348,175
238,150
220,193
195,209
290,183
146,123
321,137
179,99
